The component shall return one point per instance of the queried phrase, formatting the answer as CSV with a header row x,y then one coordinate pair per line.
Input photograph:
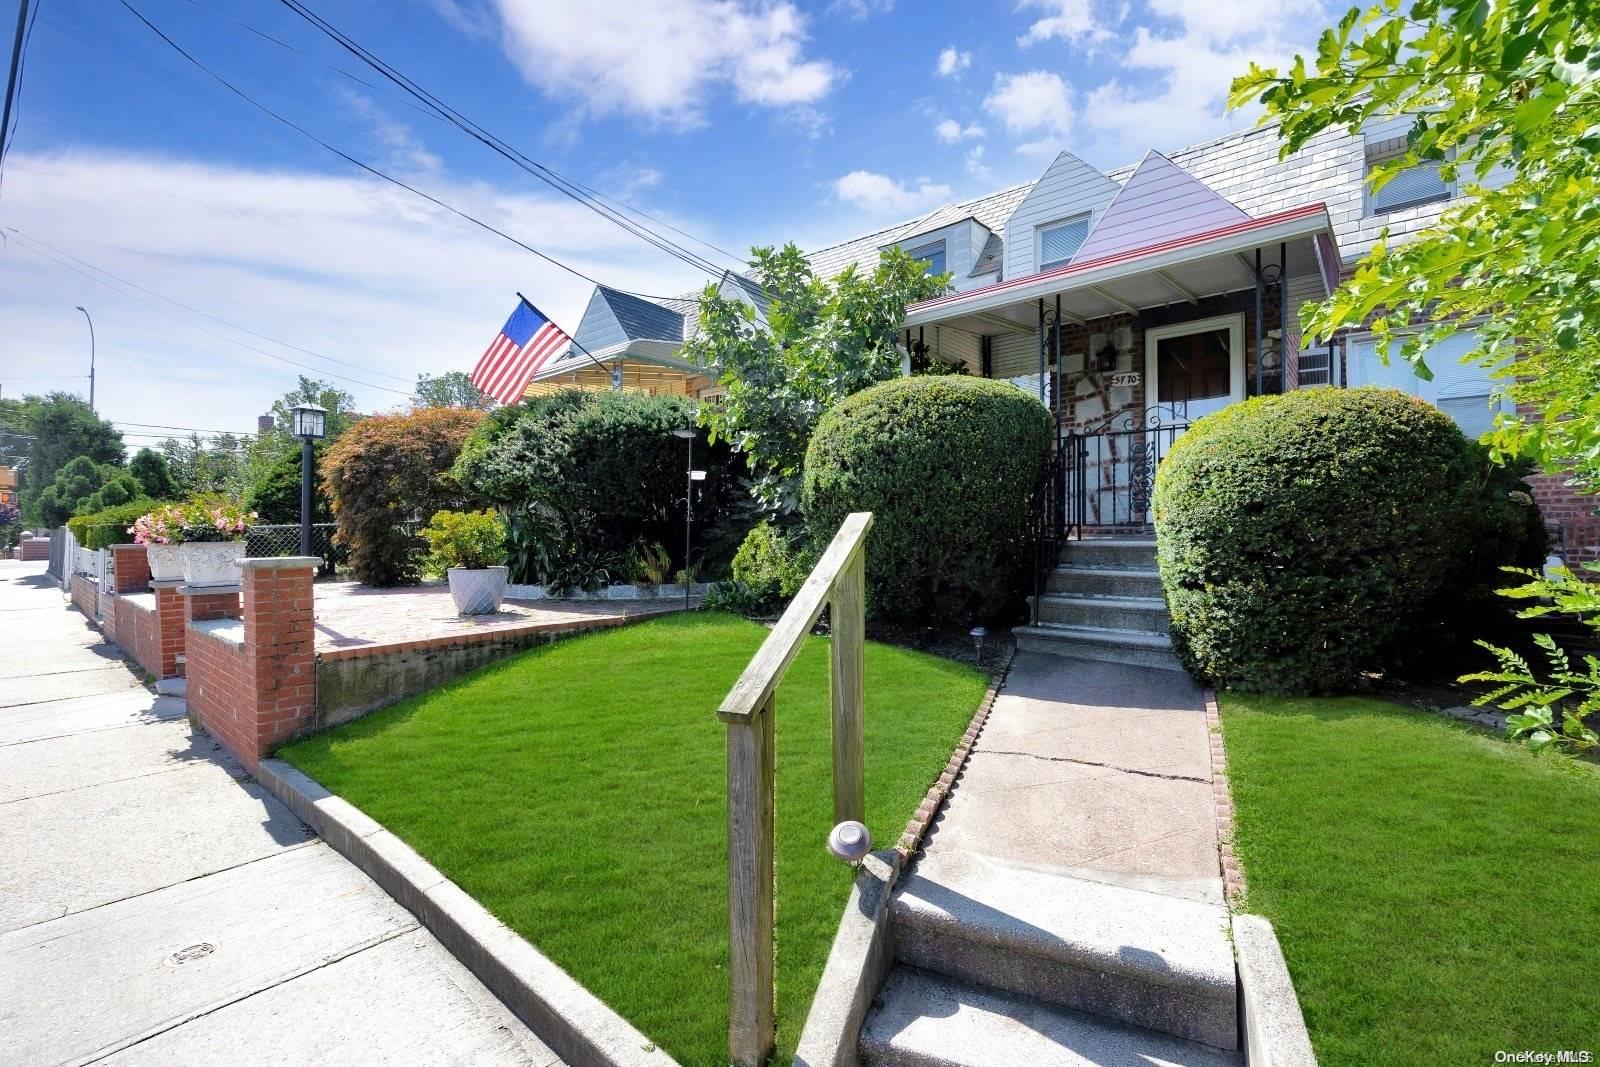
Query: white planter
x,y
213,562
166,562
478,591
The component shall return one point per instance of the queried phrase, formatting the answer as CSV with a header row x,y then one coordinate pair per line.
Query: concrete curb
x,y
575,1023
863,950
1273,1028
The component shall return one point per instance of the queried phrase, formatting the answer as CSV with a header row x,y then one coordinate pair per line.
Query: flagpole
x,y
570,337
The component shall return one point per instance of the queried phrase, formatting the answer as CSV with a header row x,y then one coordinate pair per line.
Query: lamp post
x,y
687,434
310,424
91,354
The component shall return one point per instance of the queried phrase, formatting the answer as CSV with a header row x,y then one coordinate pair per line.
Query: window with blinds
x,y
1421,184
1059,240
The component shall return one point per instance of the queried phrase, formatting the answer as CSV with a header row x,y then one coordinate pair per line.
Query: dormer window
x,y
1410,187
1059,240
932,255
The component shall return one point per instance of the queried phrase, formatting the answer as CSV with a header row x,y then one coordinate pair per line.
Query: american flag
x,y
523,345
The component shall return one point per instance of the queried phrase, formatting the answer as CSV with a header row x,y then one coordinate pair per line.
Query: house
x,y
1132,302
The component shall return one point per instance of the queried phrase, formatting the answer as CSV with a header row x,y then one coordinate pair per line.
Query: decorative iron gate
x,y
1101,477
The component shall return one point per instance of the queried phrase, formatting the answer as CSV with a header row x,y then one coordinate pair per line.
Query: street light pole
x,y
91,354
309,423
688,508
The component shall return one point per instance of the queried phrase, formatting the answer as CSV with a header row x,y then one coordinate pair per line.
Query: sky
x,y
241,248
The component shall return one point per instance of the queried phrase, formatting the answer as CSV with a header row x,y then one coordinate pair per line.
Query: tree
x,y
215,464
1512,90
821,342
82,486
154,475
393,469
452,389
275,498
61,428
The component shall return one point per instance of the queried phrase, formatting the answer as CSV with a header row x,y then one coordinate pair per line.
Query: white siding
x,y
963,241
1070,187
1461,390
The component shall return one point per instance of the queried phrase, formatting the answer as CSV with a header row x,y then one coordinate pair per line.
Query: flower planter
x,y
166,562
478,591
213,562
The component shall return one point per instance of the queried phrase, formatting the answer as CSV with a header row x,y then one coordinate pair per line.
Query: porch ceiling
x,y
1209,264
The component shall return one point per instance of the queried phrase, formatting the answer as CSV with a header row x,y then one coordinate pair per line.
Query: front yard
x,y
578,791
1436,889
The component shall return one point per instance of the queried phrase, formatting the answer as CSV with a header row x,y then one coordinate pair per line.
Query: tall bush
x,y
110,526
389,470
948,465
587,476
1303,537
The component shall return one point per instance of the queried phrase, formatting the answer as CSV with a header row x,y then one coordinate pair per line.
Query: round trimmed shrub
x,y
948,466
1299,536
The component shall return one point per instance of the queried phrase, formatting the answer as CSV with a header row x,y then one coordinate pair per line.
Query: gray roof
x,y
990,211
988,261
642,319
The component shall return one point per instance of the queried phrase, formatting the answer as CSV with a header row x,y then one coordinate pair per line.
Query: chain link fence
x,y
261,541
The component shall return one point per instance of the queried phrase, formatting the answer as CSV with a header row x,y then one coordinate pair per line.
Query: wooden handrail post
x,y
849,618
752,1023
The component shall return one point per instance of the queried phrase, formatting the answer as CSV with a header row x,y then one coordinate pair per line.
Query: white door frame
x,y
1234,324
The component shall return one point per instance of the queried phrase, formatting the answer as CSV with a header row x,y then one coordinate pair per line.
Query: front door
x,y
1195,368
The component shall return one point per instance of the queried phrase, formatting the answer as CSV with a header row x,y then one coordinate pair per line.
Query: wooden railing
x,y
839,579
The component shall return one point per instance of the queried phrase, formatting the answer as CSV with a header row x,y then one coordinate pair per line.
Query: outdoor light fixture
x,y
686,433
850,841
978,633
310,424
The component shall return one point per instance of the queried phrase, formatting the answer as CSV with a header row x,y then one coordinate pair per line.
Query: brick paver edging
x,y
576,1024
1222,799
917,827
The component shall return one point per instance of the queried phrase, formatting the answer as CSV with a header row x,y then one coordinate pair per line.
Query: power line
x,y
13,96
347,157
164,426
580,194
212,333
205,314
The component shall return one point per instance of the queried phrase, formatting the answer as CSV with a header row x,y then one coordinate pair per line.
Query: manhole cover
x,y
192,953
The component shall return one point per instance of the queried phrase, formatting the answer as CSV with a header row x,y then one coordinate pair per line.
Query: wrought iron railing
x,y
1101,477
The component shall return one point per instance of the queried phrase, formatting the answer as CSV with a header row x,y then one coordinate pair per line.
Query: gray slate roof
x,y
991,211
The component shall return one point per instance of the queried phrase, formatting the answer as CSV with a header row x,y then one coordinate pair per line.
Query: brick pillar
x,y
171,619
131,566
280,646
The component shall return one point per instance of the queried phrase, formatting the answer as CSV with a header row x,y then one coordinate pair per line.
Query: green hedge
x,y
102,529
948,466
1301,537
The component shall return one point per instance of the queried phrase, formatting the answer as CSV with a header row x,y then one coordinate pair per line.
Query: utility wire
x,y
220,336
13,101
197,311
578,193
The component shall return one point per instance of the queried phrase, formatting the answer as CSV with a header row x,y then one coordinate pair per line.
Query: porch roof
x,y
1176,271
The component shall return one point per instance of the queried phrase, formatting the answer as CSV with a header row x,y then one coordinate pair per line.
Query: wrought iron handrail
x,y
839,580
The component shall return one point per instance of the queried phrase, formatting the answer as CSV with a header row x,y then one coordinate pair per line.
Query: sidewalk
x,y
157,908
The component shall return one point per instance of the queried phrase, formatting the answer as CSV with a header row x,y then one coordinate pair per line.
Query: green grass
x,y
1435,888
579,792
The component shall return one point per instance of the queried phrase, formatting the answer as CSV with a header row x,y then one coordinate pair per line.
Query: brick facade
x,y
85,594
252,684
1573,513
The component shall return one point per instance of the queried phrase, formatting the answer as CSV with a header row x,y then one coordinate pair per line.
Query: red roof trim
x,y
1303,211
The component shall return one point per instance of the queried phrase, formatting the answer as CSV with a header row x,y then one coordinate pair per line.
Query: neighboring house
x,y
1134,301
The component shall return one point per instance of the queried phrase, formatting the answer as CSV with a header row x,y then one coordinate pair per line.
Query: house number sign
x,y
1126,378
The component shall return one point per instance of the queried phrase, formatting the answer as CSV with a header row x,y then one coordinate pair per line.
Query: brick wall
x,y
85,594
134,626
1573,512
131,567
252,684
34,548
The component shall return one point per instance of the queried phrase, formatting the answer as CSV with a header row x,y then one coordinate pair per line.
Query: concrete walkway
x,y
155,907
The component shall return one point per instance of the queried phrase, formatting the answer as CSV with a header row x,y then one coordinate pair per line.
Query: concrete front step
x,y
1111,552
1136,957
1138,648
1115,613
1076,580
925,1020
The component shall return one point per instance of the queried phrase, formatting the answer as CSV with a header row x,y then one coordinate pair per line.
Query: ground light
x,y
850,841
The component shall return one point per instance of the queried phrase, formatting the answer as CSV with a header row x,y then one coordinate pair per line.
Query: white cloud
x,y
343,265
1072,21
1174,88
402,149
881,194
1037,104
950,131
953,61
975,166
661,59
860,9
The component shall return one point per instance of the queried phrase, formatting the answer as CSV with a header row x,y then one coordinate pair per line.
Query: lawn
x,y
1436,889
579,792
